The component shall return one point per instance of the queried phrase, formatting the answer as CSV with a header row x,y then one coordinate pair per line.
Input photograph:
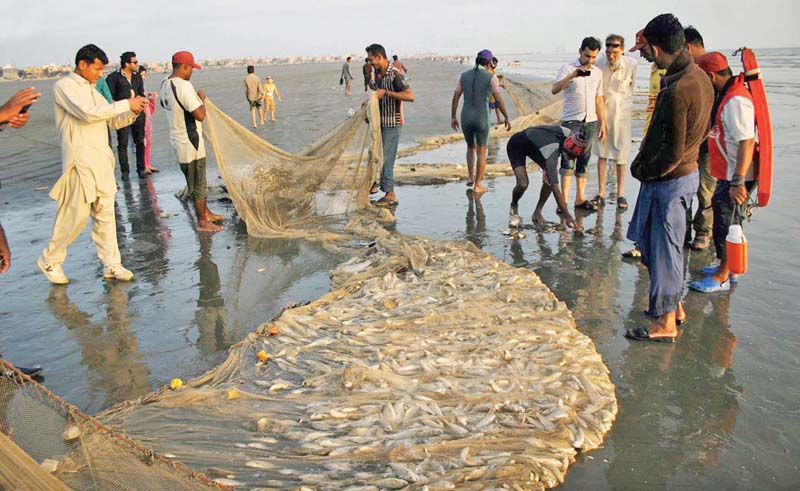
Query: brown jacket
x,y
680,123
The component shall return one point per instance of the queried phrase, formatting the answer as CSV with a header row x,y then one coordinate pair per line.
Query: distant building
x,y
10,73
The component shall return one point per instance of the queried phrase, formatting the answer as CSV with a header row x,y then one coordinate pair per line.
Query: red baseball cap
x,y
185,57
713,62
640,41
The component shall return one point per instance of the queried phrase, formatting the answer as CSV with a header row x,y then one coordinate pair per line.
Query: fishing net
x,y
67,449
279,194
429,363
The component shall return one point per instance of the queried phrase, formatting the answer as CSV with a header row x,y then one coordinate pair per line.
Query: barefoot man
x,y
185,114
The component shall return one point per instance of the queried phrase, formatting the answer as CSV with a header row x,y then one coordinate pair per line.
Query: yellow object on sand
x,y
262,356
175,383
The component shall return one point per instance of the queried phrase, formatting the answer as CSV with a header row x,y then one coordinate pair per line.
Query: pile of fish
x,y
430,365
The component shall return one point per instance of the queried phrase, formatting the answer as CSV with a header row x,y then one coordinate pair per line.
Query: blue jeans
x,y
390,136
568,164
658,225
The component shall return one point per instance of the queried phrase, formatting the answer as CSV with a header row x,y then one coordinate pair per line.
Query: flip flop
x,y
643,334
710,285
586,205
385,203
634,253
622,203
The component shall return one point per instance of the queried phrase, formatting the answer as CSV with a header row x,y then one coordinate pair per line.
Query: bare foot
x,y
538,220
470,181
680,314
479,189
213,217
274,120
663,327
206,226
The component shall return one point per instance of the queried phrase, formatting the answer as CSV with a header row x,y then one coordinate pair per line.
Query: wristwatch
x,y
737,180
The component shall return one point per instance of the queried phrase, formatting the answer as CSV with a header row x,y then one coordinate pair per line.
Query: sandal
x,y
634,253
598,201
622,203
375,188
712,270
643,334
586,205
710,285
385,203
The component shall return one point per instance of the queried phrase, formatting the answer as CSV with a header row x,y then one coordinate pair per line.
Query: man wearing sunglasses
x,y
619,76
124,84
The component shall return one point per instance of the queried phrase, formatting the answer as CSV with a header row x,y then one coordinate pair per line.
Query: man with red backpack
x,y
731,145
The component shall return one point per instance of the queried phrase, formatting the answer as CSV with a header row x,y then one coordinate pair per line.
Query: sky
x,y
38,32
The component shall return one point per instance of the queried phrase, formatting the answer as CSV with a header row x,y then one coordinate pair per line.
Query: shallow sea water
x,y
718,408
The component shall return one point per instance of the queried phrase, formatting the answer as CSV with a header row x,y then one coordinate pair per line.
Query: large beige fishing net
x,y
430,365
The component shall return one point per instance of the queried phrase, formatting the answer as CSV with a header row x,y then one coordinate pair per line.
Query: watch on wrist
x,y
737,180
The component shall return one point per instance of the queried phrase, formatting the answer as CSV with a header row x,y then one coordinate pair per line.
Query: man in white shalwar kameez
x,y
87,186
619,76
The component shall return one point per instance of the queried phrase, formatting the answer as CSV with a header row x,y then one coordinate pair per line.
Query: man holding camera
x,y
582,84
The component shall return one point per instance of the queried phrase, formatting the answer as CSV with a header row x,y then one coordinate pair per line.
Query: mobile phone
x,y
584,73
25,109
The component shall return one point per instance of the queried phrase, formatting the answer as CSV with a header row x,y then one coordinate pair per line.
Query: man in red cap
x,y
730,146
185,114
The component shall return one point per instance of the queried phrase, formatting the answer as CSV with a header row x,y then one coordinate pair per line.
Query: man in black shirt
x,y
544,145
124,84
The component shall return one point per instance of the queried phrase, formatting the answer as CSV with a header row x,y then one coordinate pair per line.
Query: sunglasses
x,y
613,45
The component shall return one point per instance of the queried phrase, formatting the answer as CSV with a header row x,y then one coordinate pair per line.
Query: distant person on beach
x,y
731,141
544,145
87,185
347,76
584,112
703,221
270,93
392,90
399,65
254,95
653,88
477,84
185,112
148,123
619,77
666,166
125,83
367,71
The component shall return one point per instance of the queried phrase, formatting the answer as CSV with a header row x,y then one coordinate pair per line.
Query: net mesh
x,y
429,364
76,449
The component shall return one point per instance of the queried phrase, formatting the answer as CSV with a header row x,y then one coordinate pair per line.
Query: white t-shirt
x,y
580,93
179,113
738,123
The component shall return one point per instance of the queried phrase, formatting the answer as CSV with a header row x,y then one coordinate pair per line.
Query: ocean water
x,y
718,408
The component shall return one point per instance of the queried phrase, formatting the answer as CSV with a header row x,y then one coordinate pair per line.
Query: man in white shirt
x,y
87,185
731,144
583,112
619,76
185,114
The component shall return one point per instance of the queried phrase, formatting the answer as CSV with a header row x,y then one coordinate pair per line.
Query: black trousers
x,y
137,129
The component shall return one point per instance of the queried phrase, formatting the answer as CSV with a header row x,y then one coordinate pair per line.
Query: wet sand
x,y
716,409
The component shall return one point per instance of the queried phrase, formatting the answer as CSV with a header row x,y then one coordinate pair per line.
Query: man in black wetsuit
x,y
542,144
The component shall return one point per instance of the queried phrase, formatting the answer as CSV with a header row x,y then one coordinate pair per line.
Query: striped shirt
x,y
391,109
